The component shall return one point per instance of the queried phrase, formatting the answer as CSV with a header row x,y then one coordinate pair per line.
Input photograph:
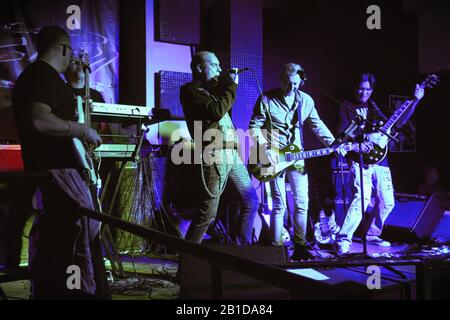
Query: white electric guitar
x,y
81,149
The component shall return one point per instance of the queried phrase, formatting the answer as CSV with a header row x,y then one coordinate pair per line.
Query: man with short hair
x,y
45,114
282,113
206,102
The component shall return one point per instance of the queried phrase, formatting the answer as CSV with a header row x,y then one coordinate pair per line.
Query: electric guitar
x,y
289,157
81,149
379,140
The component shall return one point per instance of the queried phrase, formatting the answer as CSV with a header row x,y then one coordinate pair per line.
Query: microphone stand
x,y
136,155
106,236
360,140
357,116
359,121
364,254
87,93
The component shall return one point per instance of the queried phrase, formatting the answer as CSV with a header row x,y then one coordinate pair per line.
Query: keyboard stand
x,y
106,234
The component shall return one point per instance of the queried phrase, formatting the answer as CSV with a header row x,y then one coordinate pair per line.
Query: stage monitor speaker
x,y
404,275
438,275
442,231
195,275
413,220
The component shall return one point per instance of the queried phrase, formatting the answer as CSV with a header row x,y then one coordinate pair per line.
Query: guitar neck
x,y
311,154
398,113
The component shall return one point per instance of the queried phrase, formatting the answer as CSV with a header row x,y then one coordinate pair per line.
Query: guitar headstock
x,y
430,81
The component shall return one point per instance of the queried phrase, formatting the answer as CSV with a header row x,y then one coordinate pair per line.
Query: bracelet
x,y
77,130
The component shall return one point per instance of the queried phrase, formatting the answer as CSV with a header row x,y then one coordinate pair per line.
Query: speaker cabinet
x,y
442,231
414,220
438,275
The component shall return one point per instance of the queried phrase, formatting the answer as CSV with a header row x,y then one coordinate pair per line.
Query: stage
x,y
154,276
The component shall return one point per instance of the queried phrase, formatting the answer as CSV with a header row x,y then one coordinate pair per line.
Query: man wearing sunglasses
x,y
44,107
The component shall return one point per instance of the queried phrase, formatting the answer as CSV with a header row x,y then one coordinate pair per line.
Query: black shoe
x,y
303,253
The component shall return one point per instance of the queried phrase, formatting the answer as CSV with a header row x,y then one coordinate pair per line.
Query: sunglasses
x,y
65,47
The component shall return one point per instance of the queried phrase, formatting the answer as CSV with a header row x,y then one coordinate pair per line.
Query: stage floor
x,y
152,277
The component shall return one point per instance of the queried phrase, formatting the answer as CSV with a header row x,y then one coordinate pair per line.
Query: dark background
x,y
331,41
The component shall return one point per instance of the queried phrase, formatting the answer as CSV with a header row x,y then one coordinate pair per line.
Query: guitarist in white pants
x,y
278,111
377,175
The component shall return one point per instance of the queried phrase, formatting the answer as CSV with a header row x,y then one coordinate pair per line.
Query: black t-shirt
x,y
40,82
369,111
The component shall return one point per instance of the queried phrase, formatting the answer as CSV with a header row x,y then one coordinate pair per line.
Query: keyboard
x,y
119,151
11,158
125,151
121,113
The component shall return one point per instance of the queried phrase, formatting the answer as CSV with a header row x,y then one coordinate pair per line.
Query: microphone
x,y
237,71
302,75
83,58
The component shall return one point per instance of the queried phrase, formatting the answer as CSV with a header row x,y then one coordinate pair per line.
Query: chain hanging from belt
x,y
205,185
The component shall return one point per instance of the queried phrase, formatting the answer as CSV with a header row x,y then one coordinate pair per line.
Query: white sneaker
x,y
378,241
343,247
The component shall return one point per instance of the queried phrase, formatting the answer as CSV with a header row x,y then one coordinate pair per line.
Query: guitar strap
x,y
377,110
266,106
298,118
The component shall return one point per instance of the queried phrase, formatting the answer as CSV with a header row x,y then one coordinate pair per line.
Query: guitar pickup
x,y
268,171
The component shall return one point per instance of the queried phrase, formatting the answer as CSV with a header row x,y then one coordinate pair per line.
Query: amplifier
x,y
414,219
